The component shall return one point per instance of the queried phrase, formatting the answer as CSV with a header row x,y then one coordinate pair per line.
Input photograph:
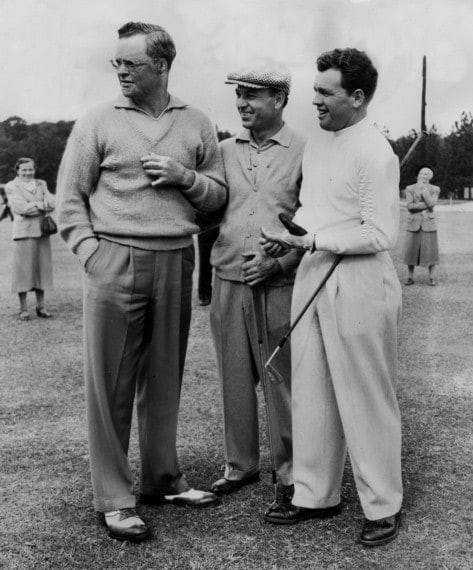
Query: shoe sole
x,y
303,518
136,538
249,481
154,501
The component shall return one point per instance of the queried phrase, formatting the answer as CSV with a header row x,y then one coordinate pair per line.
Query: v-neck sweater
x,y
104,192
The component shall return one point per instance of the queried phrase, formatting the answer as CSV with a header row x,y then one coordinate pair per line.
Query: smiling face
x,y
144,80
337,109
260,109
26,171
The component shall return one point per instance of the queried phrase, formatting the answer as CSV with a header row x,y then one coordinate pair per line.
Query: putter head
x,y
271,368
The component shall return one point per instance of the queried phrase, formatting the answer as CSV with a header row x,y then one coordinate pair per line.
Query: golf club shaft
x,y
258,306
304,309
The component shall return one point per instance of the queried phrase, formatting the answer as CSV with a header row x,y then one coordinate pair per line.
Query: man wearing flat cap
x,y
252,292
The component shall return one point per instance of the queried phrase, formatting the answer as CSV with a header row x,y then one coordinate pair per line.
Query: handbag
x,y
48,226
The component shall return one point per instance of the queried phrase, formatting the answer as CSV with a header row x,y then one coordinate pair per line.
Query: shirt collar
x,y
122,102
353,128
282,137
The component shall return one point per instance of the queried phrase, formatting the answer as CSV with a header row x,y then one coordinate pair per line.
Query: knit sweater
x,y
350,191
262,183
104,192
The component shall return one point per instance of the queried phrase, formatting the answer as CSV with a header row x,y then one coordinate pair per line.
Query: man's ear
x,y
358,97
279,99
162,66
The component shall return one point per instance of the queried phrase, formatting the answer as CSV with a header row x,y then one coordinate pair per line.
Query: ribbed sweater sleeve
x,y
77,177
206,194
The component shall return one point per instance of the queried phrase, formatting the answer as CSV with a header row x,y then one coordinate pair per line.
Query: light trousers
x,y
137,308
344,369
233,323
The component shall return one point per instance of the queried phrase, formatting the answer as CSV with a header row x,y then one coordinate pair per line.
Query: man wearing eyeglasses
x,y
134,173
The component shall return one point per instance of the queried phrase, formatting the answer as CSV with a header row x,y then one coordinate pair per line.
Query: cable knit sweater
x,y
103,190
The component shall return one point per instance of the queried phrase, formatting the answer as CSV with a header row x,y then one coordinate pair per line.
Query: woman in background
x,y
30,200
421,246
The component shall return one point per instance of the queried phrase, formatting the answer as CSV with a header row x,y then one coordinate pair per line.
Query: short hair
x,y
357,69
159,44
431,172
23,160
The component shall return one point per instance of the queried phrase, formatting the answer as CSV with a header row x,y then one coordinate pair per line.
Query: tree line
x,y
449,156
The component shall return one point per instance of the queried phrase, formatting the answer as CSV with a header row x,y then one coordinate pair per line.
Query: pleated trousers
x,y
234,329
344,370
137,308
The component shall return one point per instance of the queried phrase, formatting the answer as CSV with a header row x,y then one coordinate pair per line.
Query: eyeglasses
x,y
131,65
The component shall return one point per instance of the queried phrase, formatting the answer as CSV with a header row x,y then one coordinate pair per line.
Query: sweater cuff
x,y
86,248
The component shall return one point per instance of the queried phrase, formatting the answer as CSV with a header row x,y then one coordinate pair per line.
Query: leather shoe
x,y
126,524
227,486
290,514
42,313
409,281
190,498
381,531
204,301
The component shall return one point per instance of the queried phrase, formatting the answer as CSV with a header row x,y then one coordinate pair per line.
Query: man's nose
x,y
317,100
241,102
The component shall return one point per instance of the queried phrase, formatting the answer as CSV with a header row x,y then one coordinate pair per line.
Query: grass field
x,y
46,517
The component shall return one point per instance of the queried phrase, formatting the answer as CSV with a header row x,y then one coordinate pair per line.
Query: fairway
x,y
47,520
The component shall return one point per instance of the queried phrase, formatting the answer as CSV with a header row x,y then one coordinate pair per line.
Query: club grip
x,y
291,227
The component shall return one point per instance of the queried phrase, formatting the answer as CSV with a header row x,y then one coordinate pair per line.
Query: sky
x,y
54,54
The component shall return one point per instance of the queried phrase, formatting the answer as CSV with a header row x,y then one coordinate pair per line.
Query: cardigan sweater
x,y
104,192
350,191
262,183
28,207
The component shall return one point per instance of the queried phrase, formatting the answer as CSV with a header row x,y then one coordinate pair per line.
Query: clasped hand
x,y
165,171
257,267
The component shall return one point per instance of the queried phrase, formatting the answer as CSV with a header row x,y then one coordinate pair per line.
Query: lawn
x,y
46,517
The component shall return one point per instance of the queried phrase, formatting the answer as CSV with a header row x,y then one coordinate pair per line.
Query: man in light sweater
x,y
263,169
344,350
134,173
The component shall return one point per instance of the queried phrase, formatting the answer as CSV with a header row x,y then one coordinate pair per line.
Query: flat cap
x,y
269,75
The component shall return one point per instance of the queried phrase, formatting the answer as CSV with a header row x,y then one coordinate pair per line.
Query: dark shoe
x,y
226,486
409,281
204,301
24,316
190,498
126,524
284,497
432,282
381,531
290,514
42,313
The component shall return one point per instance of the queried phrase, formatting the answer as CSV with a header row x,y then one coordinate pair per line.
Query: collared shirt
x,y
263,181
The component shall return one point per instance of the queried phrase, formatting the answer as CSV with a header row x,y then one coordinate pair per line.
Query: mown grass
x,y
46,517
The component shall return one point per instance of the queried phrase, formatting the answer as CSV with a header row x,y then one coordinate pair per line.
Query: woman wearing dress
x,y
421,246
30,200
